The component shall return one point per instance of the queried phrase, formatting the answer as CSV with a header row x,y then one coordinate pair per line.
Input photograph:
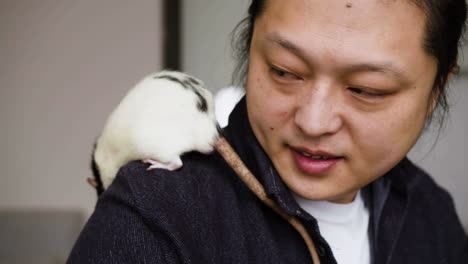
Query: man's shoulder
x,y
192,189
425,187
430,199
198,170
431,218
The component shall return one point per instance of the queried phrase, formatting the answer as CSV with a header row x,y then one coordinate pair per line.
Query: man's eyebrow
x,y
382,67
386,68
277,39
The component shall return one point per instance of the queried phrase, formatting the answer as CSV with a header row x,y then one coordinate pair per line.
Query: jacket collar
x,y
239,133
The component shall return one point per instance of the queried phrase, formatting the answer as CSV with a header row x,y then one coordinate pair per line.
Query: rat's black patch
x,y
202,105
172,78
96,173
189,83
193,80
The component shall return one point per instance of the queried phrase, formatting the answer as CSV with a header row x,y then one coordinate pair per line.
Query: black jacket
x,y
203,213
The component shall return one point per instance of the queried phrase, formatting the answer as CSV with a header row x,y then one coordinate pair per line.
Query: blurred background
x,y
65,64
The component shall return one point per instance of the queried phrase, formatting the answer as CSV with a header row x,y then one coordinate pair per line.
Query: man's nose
x,y
318,113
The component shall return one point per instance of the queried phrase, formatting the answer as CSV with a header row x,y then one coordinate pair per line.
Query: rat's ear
x,y
92,182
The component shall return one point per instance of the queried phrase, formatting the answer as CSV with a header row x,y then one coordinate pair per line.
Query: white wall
x,y
206,50
64,65
206,46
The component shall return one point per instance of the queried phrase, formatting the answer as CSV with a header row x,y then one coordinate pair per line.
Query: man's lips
x,y
316,154
314,162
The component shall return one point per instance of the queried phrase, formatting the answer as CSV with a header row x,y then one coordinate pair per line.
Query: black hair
x,y
444,30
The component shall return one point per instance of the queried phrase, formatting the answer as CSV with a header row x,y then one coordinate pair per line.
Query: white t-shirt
x,y
344,227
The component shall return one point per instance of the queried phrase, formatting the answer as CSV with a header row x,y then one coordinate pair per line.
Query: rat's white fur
x,y
158,119
225,101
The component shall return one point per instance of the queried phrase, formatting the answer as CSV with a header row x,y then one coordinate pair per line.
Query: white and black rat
x,y
165,115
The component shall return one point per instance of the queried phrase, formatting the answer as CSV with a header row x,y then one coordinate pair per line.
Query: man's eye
x,y
284,74
368,94
364,92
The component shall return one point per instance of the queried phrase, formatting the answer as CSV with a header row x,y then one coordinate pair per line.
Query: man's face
x,y
338,93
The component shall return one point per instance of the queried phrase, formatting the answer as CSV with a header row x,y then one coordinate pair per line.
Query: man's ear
x,y
434,97
455,70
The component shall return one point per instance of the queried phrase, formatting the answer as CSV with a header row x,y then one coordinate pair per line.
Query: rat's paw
x,y
172,165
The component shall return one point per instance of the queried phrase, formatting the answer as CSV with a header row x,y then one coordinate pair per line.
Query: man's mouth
x,y
317,157
314,162
315,154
